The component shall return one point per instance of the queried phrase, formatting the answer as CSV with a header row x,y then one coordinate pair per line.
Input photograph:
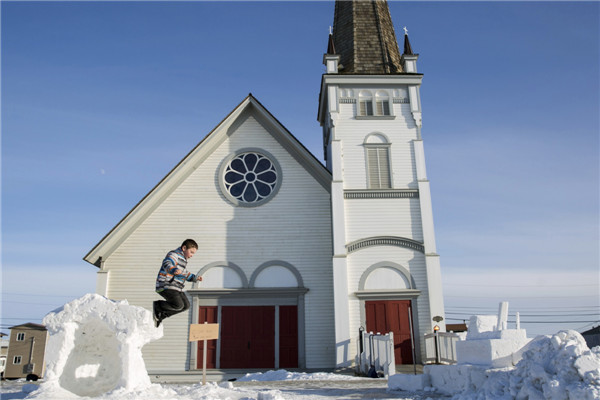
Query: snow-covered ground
x,y
274,385
94,353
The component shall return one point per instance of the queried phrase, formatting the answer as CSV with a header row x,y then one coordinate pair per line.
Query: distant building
x,y
456,327
3,351
25,358
592,337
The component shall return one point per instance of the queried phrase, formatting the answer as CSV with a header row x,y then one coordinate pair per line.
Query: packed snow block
x,y
482,327
505,351
487,346
410,383
452,379
270,395
95,346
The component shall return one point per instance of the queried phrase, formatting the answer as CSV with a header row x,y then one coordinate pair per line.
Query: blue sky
x,y
101,100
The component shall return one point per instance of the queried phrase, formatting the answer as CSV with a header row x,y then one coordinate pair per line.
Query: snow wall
x,y
556,367
95,346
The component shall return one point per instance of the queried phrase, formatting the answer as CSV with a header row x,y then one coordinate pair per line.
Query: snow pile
x,y
410,383
557,367
314,386
283,375
210,391
95,346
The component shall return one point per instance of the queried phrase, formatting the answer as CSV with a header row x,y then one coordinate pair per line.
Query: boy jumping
x,y
170,281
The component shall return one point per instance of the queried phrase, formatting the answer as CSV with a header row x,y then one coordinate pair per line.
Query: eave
x,y
406,78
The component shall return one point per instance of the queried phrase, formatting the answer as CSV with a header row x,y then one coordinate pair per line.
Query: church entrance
x,y
392,316
250,337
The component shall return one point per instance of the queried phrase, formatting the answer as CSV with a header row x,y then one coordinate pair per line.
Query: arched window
x,y
222,275
377,150
386,277
250,177
382,103
365,103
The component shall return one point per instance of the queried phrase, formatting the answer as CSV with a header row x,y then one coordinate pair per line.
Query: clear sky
x,y
101,100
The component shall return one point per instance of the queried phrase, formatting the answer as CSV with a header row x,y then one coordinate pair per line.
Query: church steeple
x,y
407,49
409,59
370,111
364,38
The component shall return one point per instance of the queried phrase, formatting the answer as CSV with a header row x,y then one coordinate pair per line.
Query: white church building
x,y
296,257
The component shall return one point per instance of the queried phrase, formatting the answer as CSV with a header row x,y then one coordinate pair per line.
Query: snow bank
x,y
315,386
409,383
95,346
283,375
557,367
210,391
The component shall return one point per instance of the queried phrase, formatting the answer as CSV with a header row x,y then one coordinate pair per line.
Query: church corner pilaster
x,y
435,291
415,104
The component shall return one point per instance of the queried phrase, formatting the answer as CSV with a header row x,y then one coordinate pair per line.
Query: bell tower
x,y
386,270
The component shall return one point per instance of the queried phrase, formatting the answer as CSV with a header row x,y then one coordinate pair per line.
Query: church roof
x,y
29,325
364,37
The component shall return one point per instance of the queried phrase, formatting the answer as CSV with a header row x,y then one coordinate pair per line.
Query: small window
x,y
380,108
382,102
17,360
378,164
20,336
365,103
377,150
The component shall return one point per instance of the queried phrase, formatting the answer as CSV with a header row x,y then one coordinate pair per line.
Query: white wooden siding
x,y
400,131
383,217
295,227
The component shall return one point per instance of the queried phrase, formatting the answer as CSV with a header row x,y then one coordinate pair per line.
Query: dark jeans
x,y
175,303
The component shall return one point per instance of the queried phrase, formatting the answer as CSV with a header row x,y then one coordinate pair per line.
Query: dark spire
x,y
364,37
330,45
407,49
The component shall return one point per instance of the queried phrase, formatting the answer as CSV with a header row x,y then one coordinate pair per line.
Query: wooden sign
x,y
203,332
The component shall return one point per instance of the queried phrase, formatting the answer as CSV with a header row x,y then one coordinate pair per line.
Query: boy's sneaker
x,y
157,320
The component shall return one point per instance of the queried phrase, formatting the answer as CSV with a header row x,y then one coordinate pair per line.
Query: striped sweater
x,y
172,274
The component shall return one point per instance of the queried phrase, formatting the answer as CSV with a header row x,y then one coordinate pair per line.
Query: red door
x,y
208,314
288,336
248,337
392,316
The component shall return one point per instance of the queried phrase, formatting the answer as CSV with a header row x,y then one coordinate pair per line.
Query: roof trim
x,y
405,78
30,325
250,106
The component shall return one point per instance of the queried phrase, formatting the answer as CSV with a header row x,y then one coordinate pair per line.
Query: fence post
x,y
437,347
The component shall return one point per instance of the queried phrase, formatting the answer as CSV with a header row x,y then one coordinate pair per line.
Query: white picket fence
x,y
376,352
440,347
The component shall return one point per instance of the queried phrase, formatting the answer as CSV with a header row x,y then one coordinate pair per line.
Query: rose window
x,y
250,178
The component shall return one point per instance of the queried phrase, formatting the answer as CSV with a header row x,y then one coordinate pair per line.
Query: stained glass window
x,y
250,178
